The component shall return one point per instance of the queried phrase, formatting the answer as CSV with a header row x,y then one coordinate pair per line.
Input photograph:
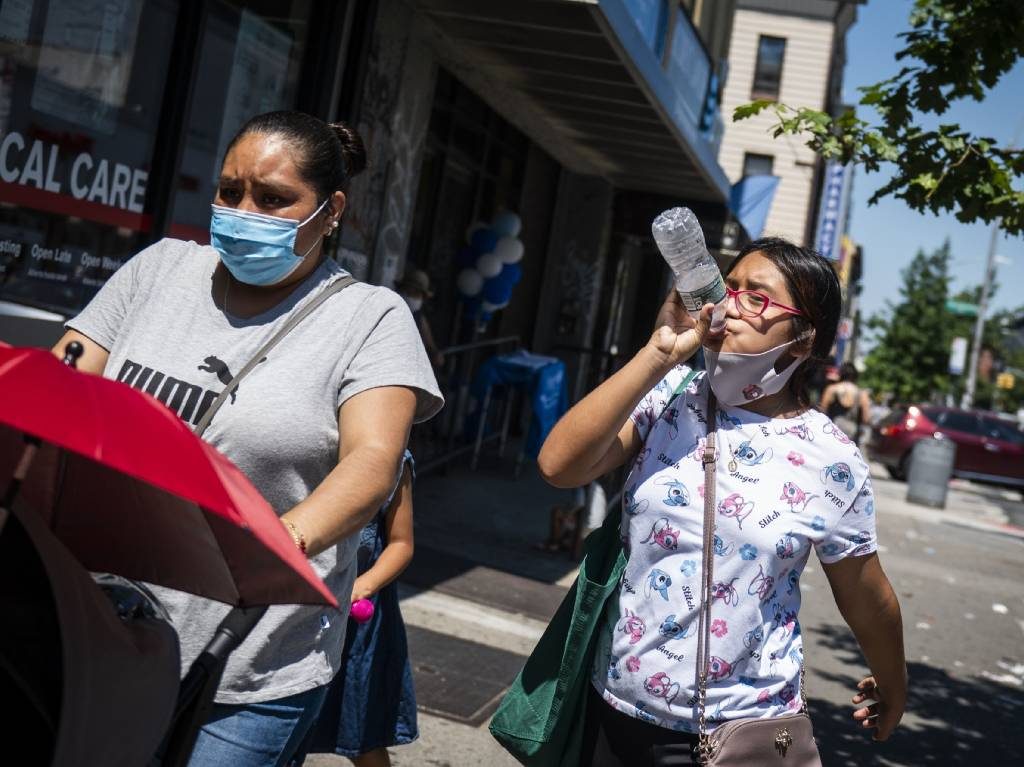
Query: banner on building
x,y
835,197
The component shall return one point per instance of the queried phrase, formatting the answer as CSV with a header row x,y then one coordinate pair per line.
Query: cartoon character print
x,y
736,507
613,668
697,451
839,473
799,430
660,685
641,457
722,549
672,629
787,546
752,392
631,505
864,502
835,431
643,416
663,534
694,386
658,581
761,584
718,669
783,697
643,714
792,581
677,494
862,542
787,625
632,664
726,592
632,625
746,454
795,497
753,640
671,417
725,419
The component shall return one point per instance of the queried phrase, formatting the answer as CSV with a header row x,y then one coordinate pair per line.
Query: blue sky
x,y
889,231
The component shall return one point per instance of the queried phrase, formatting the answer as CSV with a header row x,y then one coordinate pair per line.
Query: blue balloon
x,y
484,241
471,306
512,273
497,291
465,258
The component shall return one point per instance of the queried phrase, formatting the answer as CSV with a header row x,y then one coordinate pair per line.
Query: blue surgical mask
x,y
257,249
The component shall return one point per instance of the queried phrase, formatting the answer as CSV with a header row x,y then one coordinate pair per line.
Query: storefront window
x,y
249,63
81,86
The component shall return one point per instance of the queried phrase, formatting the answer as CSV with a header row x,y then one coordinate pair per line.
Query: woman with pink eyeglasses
x,y
788,481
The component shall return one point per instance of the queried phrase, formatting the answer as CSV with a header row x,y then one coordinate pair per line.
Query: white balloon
x,y
509,250
473,229
469,282
489,265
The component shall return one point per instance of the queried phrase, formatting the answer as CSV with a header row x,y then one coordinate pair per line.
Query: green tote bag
x,y
540,719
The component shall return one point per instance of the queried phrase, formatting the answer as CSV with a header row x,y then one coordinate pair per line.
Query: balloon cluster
x,y
489,265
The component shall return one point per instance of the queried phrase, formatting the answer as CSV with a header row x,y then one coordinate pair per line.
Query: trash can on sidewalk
x,y
931,466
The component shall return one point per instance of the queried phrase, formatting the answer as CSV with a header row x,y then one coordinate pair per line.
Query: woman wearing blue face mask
x,y
786,480
319,425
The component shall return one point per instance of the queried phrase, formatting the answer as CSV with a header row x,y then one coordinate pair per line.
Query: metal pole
x,y
979,324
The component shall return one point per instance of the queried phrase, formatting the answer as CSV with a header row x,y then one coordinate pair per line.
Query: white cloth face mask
x,y
738,379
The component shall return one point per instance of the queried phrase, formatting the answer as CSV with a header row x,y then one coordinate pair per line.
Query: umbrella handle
x,y
72,352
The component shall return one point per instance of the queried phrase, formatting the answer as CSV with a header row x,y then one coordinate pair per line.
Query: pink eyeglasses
x,y
753,303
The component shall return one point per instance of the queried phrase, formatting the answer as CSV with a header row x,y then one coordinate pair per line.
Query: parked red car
x,y
988,449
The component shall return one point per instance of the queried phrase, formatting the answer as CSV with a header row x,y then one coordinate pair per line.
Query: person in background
x,y
414,287
371,704
847,404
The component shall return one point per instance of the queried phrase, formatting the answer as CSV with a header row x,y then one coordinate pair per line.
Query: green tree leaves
x,y
955,49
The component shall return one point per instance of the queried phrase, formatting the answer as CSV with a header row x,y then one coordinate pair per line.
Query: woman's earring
x,y
334,225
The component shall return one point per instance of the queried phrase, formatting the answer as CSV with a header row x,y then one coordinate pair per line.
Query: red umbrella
x,y
139,494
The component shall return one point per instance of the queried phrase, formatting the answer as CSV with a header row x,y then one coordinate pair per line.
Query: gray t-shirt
x,y
166,336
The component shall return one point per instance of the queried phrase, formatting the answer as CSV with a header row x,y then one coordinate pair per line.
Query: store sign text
x,y
91,179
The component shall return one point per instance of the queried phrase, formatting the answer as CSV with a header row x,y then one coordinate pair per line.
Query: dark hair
x,y
814,286
329,154
847,372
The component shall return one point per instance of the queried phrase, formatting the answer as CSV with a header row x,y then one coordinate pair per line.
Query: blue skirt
x,y
370,704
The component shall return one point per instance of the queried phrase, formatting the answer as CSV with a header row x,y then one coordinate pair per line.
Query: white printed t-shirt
x,y
783,484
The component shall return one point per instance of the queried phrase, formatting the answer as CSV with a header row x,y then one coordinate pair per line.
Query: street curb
x,y
1007,529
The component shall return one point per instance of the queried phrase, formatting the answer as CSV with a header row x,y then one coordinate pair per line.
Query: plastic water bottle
x,y
698,280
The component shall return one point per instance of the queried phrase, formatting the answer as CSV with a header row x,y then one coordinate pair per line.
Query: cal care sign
x,y
34,164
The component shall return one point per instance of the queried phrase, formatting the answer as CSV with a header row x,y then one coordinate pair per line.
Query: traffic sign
x,y
962,308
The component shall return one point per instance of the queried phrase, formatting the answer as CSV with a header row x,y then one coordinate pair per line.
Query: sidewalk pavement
x,y
479,595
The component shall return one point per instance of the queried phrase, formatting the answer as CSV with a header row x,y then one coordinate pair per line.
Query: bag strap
x,y
705,748
709,459
335,287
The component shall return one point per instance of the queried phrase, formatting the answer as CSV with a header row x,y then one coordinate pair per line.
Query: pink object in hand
x,y
361,610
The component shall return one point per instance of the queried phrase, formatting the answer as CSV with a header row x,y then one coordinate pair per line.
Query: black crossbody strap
x,y
335,287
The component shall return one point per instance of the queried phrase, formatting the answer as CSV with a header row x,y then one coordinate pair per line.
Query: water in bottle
x,y
698,280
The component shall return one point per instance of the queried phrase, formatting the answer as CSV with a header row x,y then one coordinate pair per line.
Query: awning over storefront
x,y
608,87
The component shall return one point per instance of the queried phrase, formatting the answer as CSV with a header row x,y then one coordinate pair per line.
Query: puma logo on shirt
x,y
189,400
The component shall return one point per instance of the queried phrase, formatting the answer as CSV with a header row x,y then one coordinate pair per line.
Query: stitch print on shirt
x,y
795,497
663,534
658,582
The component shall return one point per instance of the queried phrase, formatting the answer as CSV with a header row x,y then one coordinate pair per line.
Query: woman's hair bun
x,y
352,148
